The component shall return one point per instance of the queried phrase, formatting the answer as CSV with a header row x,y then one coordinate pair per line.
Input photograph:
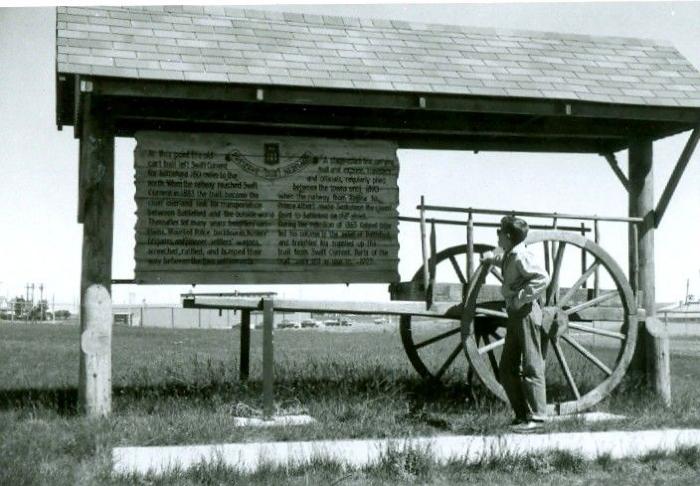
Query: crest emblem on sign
x,y
272,153
271,158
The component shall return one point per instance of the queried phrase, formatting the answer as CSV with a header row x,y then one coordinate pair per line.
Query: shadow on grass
x,y
63,401
417,393
424,401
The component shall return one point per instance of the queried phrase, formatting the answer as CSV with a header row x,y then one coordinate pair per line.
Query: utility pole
x,y
31,307
42,309
687,289
24,307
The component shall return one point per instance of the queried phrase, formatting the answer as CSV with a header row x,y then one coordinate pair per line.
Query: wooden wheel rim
x,y
479,363
405,325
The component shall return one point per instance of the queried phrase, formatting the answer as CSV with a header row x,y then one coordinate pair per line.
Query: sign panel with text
x,y
217,208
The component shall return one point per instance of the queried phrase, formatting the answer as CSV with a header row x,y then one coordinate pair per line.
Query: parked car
x,y
309,323
287,324
331,322
380,321
345,322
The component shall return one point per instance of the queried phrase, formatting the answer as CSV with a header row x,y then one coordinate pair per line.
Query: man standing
x,y
522,366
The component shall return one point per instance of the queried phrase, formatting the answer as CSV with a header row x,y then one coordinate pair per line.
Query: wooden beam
x,y
359,119
612,161
531,214
97,160
404,139
676,175
439,309
389,99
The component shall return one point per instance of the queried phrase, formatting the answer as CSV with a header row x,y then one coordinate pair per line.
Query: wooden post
x,y
424,247
97,159
433,264
245,345
596,275
583,254
653,342
470,247
268,361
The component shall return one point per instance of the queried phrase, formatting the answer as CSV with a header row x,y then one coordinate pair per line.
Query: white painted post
x,y
95,351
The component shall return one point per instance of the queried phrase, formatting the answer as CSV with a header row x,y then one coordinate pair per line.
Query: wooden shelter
x,y
218,69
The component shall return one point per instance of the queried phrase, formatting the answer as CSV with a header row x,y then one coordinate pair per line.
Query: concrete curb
x,y
248,457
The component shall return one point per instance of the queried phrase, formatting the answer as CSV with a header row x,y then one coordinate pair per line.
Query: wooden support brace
x,y
584,264
612,161
596,275
423,245
268,360
245,345
433,263
470,247
676,176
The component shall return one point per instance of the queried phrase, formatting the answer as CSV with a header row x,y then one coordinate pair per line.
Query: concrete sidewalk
x,y
249,457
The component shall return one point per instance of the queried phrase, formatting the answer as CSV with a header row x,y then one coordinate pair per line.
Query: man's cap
x,y
515,228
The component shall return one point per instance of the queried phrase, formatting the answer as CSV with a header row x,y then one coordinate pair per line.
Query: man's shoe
x,y
517,421
527,427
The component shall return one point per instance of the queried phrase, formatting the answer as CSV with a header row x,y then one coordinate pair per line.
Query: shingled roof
x,y
233,45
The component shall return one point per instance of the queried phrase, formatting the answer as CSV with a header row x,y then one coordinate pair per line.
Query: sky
x,y
41,239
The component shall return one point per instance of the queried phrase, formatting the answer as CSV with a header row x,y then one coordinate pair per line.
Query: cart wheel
x,y
434,348
599,340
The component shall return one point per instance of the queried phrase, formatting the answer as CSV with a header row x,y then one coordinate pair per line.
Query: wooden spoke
x,y
491,312
565,368
593,330
439,337
496,273
492,346
553,289
570,293
586,353
492,357
598,300
449,361
458,271
546,255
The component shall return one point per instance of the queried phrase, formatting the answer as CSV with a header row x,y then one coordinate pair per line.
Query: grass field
x,y
182,387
